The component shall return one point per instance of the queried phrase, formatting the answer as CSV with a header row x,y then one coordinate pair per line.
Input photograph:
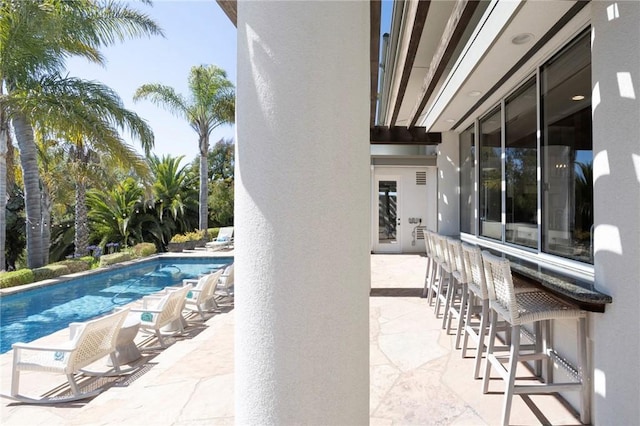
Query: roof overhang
x,y
379,135
468,56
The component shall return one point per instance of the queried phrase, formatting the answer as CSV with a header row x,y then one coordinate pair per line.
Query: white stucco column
x,y
616,169
302,213
448,184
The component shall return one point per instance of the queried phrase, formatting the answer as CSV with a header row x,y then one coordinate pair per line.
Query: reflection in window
x,y
567,156
387,211
467,179
490,194
521,163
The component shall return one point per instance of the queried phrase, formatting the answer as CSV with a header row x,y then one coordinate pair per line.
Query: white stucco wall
x,y
302,216
616,147
448,184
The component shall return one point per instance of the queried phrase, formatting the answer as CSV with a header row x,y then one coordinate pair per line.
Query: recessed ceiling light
x,y
522,38
577,98
474,93
450,120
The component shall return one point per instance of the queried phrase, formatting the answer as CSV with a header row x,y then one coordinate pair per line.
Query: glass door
x,y
388,235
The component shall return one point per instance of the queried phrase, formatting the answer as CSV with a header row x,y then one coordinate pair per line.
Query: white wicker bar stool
x,y
478,304
444,275
531,307
477,291
457,292
429,277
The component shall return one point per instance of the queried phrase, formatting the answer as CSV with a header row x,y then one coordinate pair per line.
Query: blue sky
x,y
196,32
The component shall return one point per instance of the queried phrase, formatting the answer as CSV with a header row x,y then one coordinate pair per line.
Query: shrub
x,y
49,271
15,278
143,249
195,235
188,236
77,265
179,238
110,259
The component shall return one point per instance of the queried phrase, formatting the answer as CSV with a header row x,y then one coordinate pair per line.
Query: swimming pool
x,y
31,314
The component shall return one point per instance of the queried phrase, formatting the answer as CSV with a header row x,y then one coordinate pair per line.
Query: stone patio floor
x,y
417,376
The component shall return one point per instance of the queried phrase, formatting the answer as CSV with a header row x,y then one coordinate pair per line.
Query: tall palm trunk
x,y
82,227
32,195
204,182
47,204
4,144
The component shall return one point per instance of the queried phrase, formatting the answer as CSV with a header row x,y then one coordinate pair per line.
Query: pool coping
x,y
63,278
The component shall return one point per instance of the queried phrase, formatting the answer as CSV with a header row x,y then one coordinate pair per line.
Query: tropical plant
x,y
15,229
36,36
175,199
211,103
222,160
221,202
92,139
118,214
6,177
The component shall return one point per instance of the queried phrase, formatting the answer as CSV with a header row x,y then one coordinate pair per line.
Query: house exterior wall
x,y
302,213
448,184
616,147
416,201
613,336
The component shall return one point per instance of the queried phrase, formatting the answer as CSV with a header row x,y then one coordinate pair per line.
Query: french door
x,y
388,235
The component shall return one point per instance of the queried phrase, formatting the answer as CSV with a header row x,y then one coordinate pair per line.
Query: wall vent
x,y
420,230
421,178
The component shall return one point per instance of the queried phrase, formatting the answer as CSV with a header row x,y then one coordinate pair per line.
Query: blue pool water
x,y
32,314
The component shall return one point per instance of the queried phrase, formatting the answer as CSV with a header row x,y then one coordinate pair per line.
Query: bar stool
x,y
478,304
457,291
444,275
532,307
429,279
477,290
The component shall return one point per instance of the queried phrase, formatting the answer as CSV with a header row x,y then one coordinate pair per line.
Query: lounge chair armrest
x,y
152,311
155,296
32,347
74,329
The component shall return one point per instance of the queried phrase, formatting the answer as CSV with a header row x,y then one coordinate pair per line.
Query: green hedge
x,y
15,278
77,265
110,259
143,249
71,266
49,271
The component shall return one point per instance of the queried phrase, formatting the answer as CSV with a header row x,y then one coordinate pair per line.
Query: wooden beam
x,y
458,22
230,8
375,10
396,135
414,41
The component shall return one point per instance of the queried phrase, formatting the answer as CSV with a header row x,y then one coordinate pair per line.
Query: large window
x,y
567,156
535,162
490,194
467,181
521,165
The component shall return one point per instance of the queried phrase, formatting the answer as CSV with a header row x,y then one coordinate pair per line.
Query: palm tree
x,y
173,194
111,211
36,36
211,103
6,178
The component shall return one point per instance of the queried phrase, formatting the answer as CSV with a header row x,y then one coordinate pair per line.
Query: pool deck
x,y
417,377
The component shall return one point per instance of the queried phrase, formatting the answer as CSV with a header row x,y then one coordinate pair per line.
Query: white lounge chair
x,y
89,342
201,298
226,283
223,240
162,313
